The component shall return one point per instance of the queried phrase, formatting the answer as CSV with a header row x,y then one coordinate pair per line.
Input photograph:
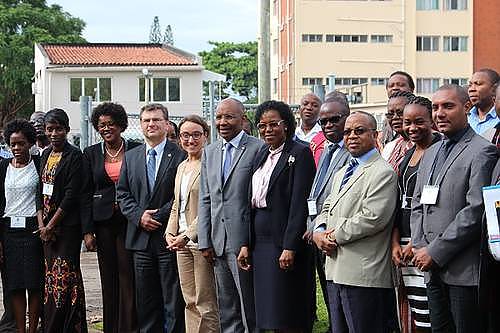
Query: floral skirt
x,y
64,297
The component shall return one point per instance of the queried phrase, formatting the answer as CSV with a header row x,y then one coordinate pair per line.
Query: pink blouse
x,y
113,170
261,177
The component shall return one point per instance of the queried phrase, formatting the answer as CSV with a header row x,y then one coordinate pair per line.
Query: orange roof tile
x,y
96,54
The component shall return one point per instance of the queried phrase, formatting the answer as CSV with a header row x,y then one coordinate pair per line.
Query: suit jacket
x,y
99,191
191,210
287,193
134,196
67,183
4,164
362,216
451,228
224,208
341,159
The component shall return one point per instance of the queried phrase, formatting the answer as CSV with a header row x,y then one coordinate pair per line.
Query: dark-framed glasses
x,y
271,124
390,115
357,131
332,119
101,126
195,135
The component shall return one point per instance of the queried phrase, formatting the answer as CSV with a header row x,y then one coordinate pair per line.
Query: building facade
x,y
353,45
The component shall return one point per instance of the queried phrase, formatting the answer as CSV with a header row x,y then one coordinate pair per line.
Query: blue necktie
x,y
151,168
348,173
324,168
227,162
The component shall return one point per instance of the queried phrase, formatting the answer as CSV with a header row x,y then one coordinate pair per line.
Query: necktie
x,y
443,153
324,168
151,168
348,173
227,162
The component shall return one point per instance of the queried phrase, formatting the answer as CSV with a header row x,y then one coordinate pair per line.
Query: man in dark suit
x,y
145,192
332,118
447,209
224,214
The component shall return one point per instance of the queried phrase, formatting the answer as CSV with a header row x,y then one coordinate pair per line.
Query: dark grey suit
x,y
451,228
159,300
223,224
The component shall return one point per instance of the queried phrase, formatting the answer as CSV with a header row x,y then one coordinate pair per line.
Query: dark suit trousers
x,y
117,276
360,309
160,307
7,322
452,308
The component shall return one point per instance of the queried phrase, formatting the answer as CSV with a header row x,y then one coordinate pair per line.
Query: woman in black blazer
x,y
21,211
283,175
103,224
61,165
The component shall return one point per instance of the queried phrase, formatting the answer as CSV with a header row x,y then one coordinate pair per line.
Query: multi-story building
x,y
356,44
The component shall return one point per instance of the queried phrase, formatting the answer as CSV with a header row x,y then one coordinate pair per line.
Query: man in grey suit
x,y
332,118
145,192
224,214
447,209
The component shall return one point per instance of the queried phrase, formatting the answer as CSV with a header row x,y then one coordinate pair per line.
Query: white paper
x,y
429,194
311,205
18,222
47,189
491,196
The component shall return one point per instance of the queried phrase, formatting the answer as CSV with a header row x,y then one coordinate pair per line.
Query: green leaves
x,y
238,61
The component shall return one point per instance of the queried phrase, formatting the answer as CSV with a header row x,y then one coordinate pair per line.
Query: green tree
x,y
22,24
168,36
155,35
238,62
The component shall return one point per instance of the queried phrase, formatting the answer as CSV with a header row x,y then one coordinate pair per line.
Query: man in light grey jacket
x,y
224,214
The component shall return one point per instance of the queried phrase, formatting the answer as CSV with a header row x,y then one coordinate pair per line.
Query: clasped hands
x,y
325,241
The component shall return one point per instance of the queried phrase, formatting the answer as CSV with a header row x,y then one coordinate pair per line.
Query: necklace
x,y
114,158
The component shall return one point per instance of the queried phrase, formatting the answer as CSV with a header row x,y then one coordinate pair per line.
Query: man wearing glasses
x,y
354,231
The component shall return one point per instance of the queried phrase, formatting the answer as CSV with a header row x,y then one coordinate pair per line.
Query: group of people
x,y
229,236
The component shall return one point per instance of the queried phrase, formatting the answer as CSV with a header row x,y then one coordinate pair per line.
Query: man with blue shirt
x,y
354,231
482,115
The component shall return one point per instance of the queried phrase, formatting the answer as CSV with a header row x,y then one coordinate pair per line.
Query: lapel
x,y
341,156
358,173
457,150
166,159
101,170
280,166
237,155
65,152
218,161
141,167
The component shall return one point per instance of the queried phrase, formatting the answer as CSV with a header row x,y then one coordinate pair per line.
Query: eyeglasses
x,y
333,120
272,125
195,135
102,126
358,131
390,115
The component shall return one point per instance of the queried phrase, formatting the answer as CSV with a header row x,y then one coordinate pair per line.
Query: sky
x,y
193,22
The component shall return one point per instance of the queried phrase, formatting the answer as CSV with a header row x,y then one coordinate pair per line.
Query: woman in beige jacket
x,y
195,273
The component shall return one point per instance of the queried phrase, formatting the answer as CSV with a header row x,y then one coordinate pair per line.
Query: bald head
x,y
232,103
309,110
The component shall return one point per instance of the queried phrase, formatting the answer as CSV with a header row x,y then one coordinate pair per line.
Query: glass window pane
x,y
159,89
355,38
346,38
90,87
338,81
141,89
435,43
446,44
174,89
363,38
338,38
304,38
463,43
419,43
388,39
426,44
75,87
104,89
454,43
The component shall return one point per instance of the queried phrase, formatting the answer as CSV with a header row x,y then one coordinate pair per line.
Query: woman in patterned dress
x,y
61,165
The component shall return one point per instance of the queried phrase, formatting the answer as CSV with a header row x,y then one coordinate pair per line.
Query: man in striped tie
x,y
354,230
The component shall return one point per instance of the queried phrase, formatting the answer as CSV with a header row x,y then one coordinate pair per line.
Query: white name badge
x,y
311,206
18,222
404,201
47,189
429,194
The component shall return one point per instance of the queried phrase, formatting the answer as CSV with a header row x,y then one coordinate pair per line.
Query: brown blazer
x,y
191,205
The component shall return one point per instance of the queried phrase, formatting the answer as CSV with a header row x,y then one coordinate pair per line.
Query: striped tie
x,y
348,173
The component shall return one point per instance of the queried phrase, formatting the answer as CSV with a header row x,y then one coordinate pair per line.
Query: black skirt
x,y
23,256
282,298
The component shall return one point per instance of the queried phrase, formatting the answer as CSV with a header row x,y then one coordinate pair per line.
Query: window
x,y
311,81
346,38
427,43
427,86
349,81
381,38
98,88
427,4
161,89
455,4
275,46
454,44
378,81
460,81
311,38
275,86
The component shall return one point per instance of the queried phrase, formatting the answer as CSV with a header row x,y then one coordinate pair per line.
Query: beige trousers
x,y
198,289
